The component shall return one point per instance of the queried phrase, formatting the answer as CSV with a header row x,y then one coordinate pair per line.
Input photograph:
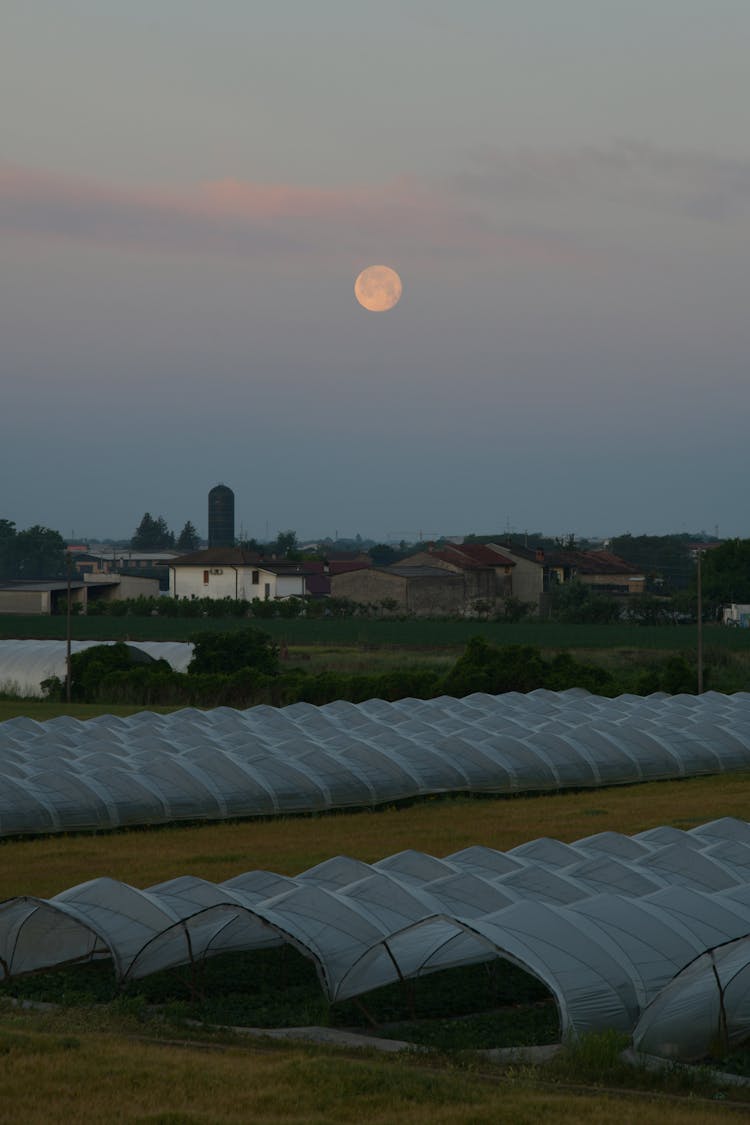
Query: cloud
x,y
237,217
693,184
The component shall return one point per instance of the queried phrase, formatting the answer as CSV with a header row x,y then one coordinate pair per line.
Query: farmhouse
x,y
536,572
530,575
445,580
487,573
606,572
421,590
233,572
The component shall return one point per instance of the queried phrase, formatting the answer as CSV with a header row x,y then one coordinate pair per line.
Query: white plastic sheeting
x,y
24,664
706,1006
67,774
603,956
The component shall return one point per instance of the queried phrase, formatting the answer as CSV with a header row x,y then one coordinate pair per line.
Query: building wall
x,y
428,597
528,577
232,582
480,583
624,583
422,595
24,601
290,585
113,589
369,586
427,558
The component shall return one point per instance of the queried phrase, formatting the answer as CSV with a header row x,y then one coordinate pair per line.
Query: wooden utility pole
x,y
700,625
67,634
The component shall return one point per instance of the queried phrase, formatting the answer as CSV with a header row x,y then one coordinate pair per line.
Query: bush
x,y
487,668
230,652
90,670
493,669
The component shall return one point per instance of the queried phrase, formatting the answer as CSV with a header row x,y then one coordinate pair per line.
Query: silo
x,y
221,517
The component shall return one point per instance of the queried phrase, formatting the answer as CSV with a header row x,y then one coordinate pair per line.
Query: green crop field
x,y
410,633
351,646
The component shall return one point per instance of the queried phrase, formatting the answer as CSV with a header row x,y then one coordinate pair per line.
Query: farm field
x,y
349,646
350,631
159,1069
46,865
79,1067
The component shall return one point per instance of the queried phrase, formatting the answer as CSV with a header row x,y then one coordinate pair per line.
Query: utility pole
x,y
68,616
700,624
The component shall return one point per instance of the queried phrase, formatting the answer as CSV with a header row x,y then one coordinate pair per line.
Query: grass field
x,y
382,633
54,1070
47,865
349,646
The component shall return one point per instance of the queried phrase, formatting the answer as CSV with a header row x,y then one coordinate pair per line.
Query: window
x,y
205,578
255,577
267,591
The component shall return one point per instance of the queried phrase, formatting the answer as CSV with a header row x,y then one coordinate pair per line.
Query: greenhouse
x,y
24,665
106,772
706,1006
605,923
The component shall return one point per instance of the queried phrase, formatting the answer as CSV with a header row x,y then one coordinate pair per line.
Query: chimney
x,y
539,554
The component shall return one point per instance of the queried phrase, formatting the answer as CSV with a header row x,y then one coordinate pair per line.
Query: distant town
x,y
647,578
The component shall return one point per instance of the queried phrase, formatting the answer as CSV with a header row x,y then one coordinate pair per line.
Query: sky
x,y
188,191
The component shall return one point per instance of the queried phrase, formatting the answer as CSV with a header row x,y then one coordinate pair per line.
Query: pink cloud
x,y
231,216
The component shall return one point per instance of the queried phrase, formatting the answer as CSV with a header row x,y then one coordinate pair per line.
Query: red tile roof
x,y
592,562
473,556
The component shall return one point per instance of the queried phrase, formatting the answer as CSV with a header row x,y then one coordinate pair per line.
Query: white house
x,y
736,614
231,572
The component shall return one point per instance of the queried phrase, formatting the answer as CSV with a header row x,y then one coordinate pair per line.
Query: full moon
x,y
378,288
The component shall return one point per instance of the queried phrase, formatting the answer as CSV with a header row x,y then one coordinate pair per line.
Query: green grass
x,y
355,631
348,646
66,1067
41,711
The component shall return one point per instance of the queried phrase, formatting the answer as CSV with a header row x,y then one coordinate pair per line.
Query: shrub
x,y
90,670
230,652
493,669
488,668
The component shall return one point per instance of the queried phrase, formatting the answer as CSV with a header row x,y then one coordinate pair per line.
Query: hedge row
x,y
220,675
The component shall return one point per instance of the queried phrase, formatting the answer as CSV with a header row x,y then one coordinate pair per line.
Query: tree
x,y
286,543
382,554
152,535
575,603
726,572
250,544
89,668
189,539
664,559
7,548
514,609
39,552
489,668
230,652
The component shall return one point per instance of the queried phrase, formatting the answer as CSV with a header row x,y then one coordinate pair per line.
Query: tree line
x,y
243,669
153,534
